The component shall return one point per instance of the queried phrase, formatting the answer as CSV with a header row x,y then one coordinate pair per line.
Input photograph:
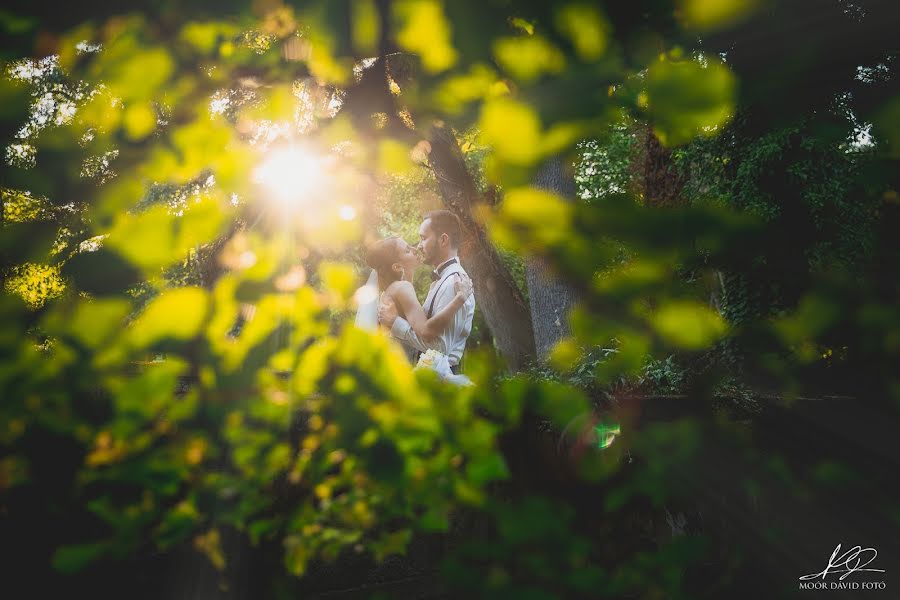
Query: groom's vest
x,y
440,280
437,289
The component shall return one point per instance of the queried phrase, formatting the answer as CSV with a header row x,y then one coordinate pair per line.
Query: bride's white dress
x,y
367,313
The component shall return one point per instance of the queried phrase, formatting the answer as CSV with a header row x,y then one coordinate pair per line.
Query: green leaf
x,y
145,239
686,99
435,519
204,37
586,27
688,324
339,278
132,72
533,218
96,321
139,121
297,553
483,469
706,15
366,27
199,224
74,558
178,524
145,397
391,543
527,58
813,316
453,93
175,314
512,129
422,28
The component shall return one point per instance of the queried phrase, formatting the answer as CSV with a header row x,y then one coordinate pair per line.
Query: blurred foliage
x,y
187,185
35,284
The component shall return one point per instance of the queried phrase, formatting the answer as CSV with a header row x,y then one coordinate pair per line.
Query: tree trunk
x,y
502,304
551,300
661,183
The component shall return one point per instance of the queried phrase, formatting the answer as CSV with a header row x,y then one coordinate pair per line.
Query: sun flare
x,y
291,175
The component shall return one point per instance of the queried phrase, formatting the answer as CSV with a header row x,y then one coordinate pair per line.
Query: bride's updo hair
x,y
381,256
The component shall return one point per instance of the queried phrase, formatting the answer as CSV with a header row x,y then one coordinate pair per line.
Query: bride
x,y
393,261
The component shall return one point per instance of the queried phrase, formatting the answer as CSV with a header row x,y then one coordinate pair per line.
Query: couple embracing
x,y
434,332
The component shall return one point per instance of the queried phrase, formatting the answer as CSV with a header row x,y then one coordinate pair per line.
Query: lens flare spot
x,y
292,280
606,434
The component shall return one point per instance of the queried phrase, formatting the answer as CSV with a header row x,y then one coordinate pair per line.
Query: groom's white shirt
x,y
451,341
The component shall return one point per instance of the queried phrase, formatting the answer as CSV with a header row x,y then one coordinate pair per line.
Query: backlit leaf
x,y
146,239
532,216
95,321
686,99
139,121
528,57
366,26
586,27
512,129
394,157
688,324
339,278
452,94
707,15
174,314
424,30
135,74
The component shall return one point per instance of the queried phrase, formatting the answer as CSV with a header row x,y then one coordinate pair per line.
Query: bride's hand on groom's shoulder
x,y
387,312
464,285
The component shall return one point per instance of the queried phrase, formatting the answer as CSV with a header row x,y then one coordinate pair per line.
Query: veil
x,y
367,296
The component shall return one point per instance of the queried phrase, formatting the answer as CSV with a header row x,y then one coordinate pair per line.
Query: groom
x,y
439,236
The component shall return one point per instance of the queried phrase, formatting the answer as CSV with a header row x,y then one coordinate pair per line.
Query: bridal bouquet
x,y
440,364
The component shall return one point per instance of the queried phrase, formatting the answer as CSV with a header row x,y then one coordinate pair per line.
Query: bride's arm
x,y
427,329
